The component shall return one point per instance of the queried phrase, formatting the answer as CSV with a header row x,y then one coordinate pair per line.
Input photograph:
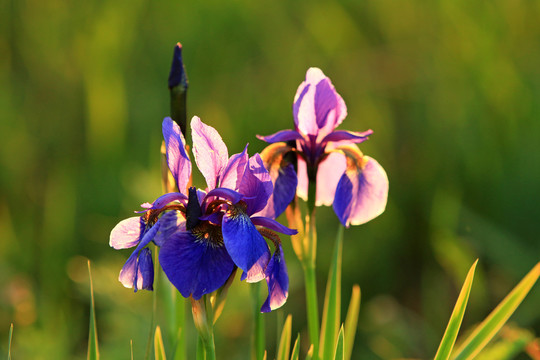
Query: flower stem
x,y
258,324
310,251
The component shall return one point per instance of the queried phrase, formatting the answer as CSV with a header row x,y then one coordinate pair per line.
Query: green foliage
x,y
9,341
285,340
93,350
296,349
339,352
452,329
159,348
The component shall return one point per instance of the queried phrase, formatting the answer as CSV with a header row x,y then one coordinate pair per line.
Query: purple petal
x,y
245,244
210,152
129,271
361,193
145,271
177,158
256,185
325,101
195,266
168,198
349,136
228,194
127,233
277,279
283,135
170,222
284,190
272,225
233,172
328,175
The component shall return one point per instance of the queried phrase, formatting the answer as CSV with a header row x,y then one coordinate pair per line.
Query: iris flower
x,y
354,183
207,234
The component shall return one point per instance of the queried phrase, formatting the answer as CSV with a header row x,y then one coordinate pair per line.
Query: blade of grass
x,y
93,350
452,329
332,302
131,348
9,341
159,349
296,349
309,354
339,353
351,321
285,340
512,341
498,317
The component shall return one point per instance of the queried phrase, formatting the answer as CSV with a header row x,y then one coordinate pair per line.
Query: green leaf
x,y
296,349
351,321
285,340
258,335
339,353
93,350
332,302
492,324
309,354
513,341
9,341
452,329
159,349
131,348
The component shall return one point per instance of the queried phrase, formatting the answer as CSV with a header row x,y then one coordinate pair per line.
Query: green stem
x,y
200,348
312,306
258,324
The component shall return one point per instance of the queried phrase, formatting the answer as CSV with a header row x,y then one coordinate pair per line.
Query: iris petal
x,y
127,233
210,151
361,193
256,185
234,171
129,271
349,136
168,198
170,222
245,244
277,279
177,158
328,175
195,266
272,225
283,135
145,272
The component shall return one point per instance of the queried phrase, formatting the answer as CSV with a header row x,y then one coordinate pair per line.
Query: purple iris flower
x,y
355,184
212,232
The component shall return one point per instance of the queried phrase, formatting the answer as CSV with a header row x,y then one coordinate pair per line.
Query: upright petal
x,y
127,233
234,171
177,158
277,279
324,102
195,266
361,193
245,244
256,185
210,151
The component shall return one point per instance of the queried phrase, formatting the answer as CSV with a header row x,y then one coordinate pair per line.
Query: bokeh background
x,y
451,89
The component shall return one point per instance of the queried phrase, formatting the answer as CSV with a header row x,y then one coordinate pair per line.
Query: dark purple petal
x,y
210,152
145,272
277,279
281,136
127,233
234,171
245,244
168,198
349,136
272,225
361,193
170,222
195,266
325,101
177,158
256,185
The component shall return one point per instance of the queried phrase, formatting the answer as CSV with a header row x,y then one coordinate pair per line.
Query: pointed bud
x,y
193,210
178,85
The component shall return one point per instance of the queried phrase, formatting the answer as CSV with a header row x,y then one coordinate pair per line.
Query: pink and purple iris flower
x,y
206,235
355,184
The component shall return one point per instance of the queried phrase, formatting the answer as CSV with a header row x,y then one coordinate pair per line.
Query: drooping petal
x,y
349,136
170,222
177,158
234,171
328,174
277,279
283,135
245,244
256,185
129,271
127,233
145,271
272,225
195,266
210,151
361,193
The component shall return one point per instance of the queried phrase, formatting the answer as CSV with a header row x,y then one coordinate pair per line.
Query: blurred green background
x,y
451,89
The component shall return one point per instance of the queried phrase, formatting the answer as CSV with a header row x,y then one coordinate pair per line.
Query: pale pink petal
x,y
328,175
